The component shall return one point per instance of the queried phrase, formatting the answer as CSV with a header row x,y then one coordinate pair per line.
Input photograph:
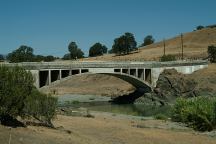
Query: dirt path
x,y
105,129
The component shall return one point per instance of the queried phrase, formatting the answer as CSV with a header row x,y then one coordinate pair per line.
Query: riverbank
x,y
106,128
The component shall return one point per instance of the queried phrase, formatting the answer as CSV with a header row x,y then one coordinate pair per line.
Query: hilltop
x,y
195,47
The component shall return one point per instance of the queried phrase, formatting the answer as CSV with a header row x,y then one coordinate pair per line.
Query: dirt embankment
x,y
105,129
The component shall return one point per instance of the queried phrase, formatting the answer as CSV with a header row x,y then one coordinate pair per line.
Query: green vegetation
x,y
148,40
66,57
161,117
168,58
212,53
97,50
198,113
22,54
200,27
39,58
41,107
124,44
25,54
2,57
18,97
75,52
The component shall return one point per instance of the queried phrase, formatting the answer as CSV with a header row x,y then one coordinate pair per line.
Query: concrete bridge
x,y
142,75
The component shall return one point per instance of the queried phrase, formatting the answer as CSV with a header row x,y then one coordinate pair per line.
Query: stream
x,y
102,104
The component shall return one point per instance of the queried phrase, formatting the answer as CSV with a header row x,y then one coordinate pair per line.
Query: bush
x,y
16,85
168,58
198,113
212,53
200,27
160,117
19,97
41,107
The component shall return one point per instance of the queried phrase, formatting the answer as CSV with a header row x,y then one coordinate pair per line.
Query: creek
x,y
102,104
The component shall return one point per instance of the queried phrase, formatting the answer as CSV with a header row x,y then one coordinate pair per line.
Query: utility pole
x,y
182,46
164,47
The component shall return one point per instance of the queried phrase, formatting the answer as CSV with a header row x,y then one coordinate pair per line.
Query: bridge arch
x,y
137,83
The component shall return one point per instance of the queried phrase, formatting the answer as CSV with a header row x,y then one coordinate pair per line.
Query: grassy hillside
x,y
195,47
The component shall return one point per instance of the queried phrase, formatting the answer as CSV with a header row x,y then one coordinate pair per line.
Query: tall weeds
x,y
198,113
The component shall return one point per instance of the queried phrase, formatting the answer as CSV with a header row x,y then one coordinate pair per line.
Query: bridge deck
x,y
126,64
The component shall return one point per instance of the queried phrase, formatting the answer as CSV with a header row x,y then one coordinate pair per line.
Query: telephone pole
x,y
164,47
182,47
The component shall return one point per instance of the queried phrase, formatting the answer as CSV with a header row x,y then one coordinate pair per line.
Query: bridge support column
x,y
36,76
49,78
60,74
136,73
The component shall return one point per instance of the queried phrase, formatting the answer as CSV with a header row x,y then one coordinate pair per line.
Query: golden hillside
x,y
195,47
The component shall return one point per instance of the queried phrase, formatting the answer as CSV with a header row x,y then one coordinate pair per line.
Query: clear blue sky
x,y
49,25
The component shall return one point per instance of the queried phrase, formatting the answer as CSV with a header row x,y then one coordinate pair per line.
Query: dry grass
x,y
104,129
195,46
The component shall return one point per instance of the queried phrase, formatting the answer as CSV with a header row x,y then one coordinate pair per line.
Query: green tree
x,y
212,53
66,57
15,86
22,54
1,57
19,97
148,40
75,52
49,58
200,27
41,107
97,49
105,49
124,44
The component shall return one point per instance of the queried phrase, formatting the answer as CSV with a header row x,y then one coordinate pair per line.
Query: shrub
x,y
19,97
198,113
160,117
212,53
200,27
16,85
168,58
41,107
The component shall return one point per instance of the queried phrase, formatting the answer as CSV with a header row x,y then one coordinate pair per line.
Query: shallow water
x,y
92,103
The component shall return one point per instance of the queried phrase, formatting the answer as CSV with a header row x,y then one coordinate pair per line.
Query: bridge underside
x,y
139,78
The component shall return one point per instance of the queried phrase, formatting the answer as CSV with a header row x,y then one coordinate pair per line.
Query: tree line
x,y
26,54
122,45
